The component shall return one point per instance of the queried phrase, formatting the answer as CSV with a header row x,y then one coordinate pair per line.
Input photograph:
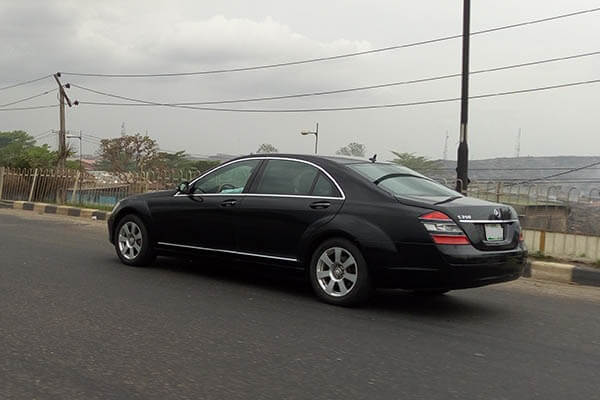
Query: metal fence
x,y
538,193
43,185
554,206
89,189
559,206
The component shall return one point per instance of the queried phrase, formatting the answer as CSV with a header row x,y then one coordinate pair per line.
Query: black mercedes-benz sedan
x,y
351,224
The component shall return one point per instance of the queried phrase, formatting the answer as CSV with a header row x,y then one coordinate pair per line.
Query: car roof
x,y
311,157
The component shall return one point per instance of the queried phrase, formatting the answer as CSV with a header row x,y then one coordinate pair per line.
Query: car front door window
x,y
230,179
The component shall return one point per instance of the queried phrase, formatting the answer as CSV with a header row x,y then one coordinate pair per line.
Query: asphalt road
x,y
76,324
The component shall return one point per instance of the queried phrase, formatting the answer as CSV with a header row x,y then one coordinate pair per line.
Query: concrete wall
x,y
563,245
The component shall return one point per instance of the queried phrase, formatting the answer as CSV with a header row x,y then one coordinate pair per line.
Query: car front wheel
x,y
339,274
132,242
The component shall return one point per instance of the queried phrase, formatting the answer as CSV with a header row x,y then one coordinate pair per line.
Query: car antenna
x,y
374,158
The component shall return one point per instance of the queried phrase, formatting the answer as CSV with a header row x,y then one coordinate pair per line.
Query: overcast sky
x,y
42,37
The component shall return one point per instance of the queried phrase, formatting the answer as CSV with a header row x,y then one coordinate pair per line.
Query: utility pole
x,y
62,133
80,146
462,163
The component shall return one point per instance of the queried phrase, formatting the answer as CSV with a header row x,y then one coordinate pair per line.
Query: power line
x,y
369,87
509,169
88,140
92,136
42,133
296,110
43,136
336,57
563,173
29,108
515,181
28,98
25,82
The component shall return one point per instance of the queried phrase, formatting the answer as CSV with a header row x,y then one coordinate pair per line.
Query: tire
x,y
132,242
339,274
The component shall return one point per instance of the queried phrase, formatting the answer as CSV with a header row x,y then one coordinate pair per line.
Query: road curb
x,y
44,208
562,272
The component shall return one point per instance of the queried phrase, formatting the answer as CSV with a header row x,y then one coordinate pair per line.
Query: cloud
x,y
91,40
41,37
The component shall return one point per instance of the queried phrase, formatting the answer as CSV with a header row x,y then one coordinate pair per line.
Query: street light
x,y
316,133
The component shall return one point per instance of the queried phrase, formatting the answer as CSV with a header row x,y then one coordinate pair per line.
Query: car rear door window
x,y
324,187
287,178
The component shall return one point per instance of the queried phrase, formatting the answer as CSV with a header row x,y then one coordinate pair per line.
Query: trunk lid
x,y
489,226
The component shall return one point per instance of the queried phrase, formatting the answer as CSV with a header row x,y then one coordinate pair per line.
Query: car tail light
x,y
442,229
521,236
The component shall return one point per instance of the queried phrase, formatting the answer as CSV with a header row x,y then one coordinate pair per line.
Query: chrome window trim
x,y
487,221
299,196
327,174
228,251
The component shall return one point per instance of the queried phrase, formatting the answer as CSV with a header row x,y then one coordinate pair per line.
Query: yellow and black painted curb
x,y
44,208
561,272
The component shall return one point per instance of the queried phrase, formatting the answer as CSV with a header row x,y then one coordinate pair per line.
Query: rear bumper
x,y
452,267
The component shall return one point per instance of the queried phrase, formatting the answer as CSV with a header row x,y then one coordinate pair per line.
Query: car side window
x,y
231,178
287,177
324,187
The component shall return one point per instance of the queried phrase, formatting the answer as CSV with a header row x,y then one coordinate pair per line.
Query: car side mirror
x,y
184,187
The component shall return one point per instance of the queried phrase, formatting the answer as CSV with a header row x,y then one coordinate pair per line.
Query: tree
x,y
127,154
352,149
40,157
178,160
20,138
266,148
205,165
417,163
18,150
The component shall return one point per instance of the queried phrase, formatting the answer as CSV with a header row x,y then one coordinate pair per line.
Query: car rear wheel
x,y
339,273
132,242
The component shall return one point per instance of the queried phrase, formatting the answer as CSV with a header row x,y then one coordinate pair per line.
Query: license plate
x,y
494,232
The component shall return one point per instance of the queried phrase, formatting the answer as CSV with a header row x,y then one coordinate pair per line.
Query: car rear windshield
x,y
402,181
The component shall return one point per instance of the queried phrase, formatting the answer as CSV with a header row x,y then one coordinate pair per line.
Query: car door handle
x,y
320,204
229,203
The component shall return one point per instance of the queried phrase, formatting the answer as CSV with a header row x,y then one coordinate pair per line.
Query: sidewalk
x,y
44,208
562,272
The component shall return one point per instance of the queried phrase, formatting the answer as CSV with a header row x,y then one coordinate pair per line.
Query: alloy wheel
x,y
130,240
337,271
